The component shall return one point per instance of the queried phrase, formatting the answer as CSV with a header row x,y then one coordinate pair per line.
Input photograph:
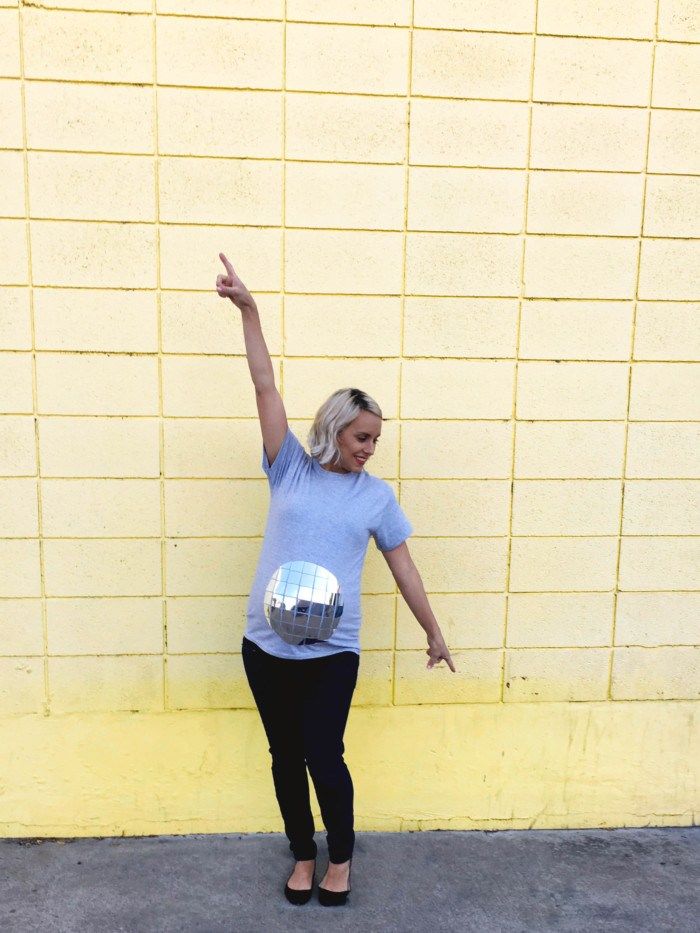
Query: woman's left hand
x,y
437,651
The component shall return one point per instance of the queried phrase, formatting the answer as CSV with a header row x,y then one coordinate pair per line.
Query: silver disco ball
x,y
303,602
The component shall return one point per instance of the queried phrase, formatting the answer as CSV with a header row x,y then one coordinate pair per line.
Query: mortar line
x,y
513,419
613,633
46,699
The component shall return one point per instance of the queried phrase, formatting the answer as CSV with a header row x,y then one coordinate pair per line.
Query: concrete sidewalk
x,y
579,880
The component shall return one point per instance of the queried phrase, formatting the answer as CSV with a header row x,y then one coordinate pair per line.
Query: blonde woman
x,y
301,648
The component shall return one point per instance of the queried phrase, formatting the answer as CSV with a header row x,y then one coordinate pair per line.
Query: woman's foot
x,y
302,877
337,876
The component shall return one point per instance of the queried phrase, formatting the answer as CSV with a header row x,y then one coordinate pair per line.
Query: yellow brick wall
x,y
486,214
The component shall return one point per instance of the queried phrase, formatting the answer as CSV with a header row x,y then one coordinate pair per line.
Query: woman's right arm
x,y
273,418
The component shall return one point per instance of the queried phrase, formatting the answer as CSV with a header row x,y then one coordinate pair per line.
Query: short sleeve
x,y
288,456
393,527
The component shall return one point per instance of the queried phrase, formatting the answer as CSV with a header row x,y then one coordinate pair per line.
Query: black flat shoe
x,y
295,896
334,898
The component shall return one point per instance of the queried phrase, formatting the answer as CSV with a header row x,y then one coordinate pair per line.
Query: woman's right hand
x,y
230,286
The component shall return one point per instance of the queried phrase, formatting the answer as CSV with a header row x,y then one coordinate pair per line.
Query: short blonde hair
x,y
336,413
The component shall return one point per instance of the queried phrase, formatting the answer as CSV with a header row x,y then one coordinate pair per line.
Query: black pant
x,y
304,706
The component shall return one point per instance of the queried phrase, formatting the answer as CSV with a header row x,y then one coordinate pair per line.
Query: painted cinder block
x,y
101,255
471,64
16,383
345,128
653,619
255,9
580,267
207,681
253,56
19,567
462,264
456,565
15,320
457,389
220,191
669,673
100,508
213,508
308,383
673,140
664,392
90,117
189,256
556,674
669,269
615,19
469,133
103,625
571,390
21,627
461,327
378,615
374,687
201,322
559,620
210,567
9,44
676,72
368,197
78,46
366,12
655,562
14,261
12,186
679,20
467,620
667,330
575,330
21,686
11,133
87,186
96,384
208,386
585,203
661,506
351,59
672,207
476,678
102,567
205,624
342,325
569,449
19,508
92,684
17,446
496,15
84,446
466,200
96,319
566,507
450,449
592,71
457,507
663,450
609,139
345,261
209,447
190,122
565,564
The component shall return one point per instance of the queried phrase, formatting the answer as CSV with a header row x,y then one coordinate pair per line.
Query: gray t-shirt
x,y
305,598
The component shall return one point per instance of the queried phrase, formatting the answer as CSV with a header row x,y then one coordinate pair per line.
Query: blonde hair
x,y
336,413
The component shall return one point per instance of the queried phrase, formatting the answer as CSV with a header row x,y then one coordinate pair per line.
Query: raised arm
x,y
273,418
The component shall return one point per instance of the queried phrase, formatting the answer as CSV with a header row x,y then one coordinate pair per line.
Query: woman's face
x,y
357,442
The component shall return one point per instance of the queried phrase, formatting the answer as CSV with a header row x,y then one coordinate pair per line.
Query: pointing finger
x,y
229,267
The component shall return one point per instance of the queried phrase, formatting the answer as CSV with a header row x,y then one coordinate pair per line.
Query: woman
x,y
300,649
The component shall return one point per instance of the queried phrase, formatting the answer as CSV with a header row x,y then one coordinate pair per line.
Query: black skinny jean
x,y
304,706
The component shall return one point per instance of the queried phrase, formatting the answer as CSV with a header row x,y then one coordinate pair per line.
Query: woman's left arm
x,y
411,587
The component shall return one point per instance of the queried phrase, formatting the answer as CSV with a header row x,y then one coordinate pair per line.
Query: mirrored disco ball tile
x,y
303,602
